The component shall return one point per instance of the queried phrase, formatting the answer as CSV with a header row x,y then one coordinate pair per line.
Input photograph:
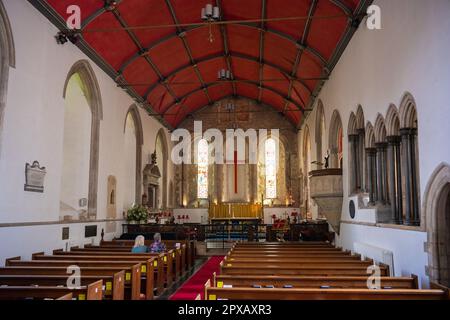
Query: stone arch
x,y
320,132
392,121
360,124
7,60
380,129
352,125
335,140
91,90
408,112
133,111
436,208
370,136
162,136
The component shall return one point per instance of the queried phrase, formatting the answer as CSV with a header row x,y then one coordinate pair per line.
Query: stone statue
x,y
154,158
327,160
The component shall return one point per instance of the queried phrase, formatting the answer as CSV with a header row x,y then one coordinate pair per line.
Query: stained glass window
x,y
202,170
271,169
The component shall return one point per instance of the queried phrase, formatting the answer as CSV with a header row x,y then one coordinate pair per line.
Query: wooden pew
x,y
92,291
168,259
299,263
189,249
158,263
132,274
316,270
148,267
322,294
114,285
178,255
247,281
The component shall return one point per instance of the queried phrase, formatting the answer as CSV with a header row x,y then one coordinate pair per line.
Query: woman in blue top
x,y
139,245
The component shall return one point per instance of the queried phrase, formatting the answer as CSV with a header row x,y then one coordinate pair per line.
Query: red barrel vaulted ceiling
x,y
172,69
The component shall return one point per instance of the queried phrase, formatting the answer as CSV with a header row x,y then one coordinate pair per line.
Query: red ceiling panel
x,y
240,10
210,68
170,58
279,51
184,82
290,8
326,33
275,79
273,99
139,73
245,69
243,40
159,98
217,92
300,94
293,113
115,47
138,13
247,90
201,47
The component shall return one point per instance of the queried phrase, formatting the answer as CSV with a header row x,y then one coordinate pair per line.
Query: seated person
x,y
139,245
157,246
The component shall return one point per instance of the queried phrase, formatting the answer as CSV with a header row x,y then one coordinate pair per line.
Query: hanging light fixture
x,y
210,14
224,75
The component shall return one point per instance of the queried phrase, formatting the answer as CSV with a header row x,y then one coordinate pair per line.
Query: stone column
x,y
395,187
410,166
407,170
372,179
362,171
381,173
354,178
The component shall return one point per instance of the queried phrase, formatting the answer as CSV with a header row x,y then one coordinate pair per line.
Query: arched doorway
x,y
7,60
437,208
82,115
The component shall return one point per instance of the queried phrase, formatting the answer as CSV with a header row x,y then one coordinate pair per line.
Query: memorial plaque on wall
x,y
34,177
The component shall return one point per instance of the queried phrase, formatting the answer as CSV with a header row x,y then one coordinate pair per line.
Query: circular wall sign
x,y
352,209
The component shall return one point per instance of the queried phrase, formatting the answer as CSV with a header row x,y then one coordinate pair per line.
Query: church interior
x,y
224,150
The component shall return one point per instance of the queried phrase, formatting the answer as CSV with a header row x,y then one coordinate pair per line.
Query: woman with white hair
x,y
157,246
139,245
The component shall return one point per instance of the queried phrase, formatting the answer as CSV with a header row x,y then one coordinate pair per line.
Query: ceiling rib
x,y
237,55
303,40
182,36
226,47
143,53
253,83
261,48
313,52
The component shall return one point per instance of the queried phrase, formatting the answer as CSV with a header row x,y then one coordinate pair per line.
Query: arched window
x,y
335,141
202,169
271,169
130,148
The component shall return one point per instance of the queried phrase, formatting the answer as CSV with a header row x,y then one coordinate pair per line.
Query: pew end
x,y
95,290
33,256
437,286
207,285
57,251
68,296
8,260
214,279
118,286
415,281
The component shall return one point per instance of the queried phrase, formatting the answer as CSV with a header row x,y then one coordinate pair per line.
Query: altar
x,y
235,212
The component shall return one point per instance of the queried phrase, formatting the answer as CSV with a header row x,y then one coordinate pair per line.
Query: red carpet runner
x,y
196,284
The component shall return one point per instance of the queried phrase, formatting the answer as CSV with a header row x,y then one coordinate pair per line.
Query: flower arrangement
x,y
137,213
